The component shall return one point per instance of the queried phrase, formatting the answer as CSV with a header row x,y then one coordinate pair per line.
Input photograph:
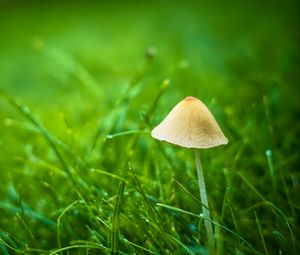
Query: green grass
x,y
83,84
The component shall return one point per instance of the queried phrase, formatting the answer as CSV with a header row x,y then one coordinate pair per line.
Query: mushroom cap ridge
x,y
191,125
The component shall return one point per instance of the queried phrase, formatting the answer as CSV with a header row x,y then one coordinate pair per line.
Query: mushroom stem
x,y
204,201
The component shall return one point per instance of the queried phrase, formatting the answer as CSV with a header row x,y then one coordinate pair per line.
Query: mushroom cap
x,y
191,125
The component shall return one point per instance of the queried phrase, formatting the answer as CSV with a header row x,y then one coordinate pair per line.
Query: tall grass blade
x,y
261,234
116,221
59,221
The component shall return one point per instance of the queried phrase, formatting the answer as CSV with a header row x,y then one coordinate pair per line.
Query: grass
x,y
83,84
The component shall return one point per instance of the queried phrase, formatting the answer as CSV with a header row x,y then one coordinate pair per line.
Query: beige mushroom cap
x,y
191,125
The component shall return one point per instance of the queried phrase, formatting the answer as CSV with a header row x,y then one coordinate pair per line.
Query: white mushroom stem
x,y
203,197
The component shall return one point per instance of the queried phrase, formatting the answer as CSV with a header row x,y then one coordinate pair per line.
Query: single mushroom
x,y
191,125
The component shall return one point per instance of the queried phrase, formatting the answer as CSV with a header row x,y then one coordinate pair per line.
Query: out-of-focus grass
x,y
81,88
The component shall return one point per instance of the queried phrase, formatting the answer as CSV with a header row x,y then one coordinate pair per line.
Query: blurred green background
x,y
90,69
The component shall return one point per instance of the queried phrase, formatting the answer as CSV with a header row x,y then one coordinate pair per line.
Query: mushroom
x,y
191,125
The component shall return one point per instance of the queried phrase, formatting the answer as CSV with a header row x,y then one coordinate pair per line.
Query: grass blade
x,y
26,112
124,133
116,221
261,234
59,220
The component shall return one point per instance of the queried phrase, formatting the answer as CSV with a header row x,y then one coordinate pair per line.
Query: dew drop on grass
x,y
268,153
109,136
